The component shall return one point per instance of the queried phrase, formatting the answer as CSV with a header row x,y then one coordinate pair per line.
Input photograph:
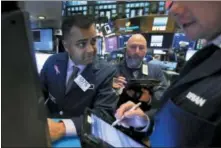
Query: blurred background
x,y
116,21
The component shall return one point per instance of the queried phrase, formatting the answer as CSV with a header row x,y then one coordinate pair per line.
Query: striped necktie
x,y
72,77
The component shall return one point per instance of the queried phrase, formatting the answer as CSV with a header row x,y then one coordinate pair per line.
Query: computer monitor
x,y
181,37
122,40
156,41
111,44
24,122
99,45
159,23
159,40
43,39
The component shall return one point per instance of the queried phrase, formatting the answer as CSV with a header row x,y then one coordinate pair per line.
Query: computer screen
x,y
181,37
74,3
112,136
156,41
111,44
160,23
43,39
99,46
132,13
122,40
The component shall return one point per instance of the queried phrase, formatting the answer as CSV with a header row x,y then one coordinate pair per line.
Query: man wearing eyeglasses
x,y
74,80
192,115
133,67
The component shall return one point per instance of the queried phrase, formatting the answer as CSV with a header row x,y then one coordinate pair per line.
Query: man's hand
x,y
136,118
119,82
56,129
145,97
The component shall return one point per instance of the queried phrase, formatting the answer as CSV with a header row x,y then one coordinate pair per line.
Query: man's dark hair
x,y
79,20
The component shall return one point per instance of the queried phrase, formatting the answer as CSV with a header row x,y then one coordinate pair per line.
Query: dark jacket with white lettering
x,y
191,115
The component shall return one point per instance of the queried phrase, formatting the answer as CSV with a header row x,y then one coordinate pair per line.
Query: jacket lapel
x,y
61,64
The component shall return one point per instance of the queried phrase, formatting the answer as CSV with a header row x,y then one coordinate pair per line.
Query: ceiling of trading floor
x,y
50,9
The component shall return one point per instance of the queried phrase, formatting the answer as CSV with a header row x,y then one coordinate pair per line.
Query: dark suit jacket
x,y
154,72
73,103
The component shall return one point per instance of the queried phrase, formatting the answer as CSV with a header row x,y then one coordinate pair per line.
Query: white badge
x,y
145,69
82,83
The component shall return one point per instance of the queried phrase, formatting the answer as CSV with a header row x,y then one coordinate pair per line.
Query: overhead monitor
x,y
159,23
133,13
43,39
99,45
181,37
122,40
161,3
111,44
159,40
75,3
156,41
108,14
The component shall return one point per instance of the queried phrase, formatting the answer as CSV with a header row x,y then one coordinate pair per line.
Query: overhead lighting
x,y
41,17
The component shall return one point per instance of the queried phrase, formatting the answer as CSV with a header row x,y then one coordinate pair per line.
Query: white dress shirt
x,y
69,124
217,41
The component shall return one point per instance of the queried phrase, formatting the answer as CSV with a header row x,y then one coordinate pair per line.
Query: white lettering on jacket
x,y
196,99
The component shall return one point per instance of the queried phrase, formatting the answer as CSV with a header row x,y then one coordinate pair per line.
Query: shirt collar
x,y
216,41
71,64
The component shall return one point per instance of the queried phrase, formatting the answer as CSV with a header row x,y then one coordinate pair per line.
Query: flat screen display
x,y
122,40
156,41
43,39
111,44
181,37
102,130
160,23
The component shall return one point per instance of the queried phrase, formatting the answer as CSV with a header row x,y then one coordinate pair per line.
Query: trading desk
x,y
72,141
67,142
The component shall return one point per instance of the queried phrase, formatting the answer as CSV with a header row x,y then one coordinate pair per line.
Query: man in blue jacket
x,y
74,80
191,115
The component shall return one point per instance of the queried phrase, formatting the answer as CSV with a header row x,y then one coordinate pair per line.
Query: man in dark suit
x,y
74,80
133,67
